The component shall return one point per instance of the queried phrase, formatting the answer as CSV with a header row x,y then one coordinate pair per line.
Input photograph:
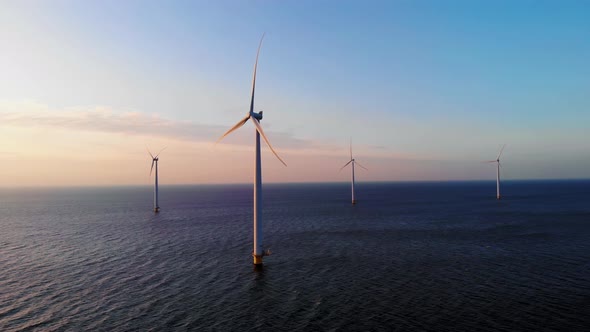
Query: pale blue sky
x,y
409,80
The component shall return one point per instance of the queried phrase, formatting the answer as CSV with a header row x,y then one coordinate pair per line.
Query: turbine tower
x,y
259,250
352,162
155,162
497,161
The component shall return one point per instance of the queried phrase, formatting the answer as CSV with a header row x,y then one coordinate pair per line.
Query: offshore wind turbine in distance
x,y
352,162
497,161
155,162
259,250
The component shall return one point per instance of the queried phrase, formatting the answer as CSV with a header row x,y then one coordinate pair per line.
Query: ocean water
x,y
409,256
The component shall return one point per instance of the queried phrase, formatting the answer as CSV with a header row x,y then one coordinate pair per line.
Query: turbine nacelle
x,y
257,116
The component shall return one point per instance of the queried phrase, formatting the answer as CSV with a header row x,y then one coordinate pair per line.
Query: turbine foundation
x,y
156,209
257,259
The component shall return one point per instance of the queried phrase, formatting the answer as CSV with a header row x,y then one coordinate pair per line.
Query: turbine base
x,y
257,259
156,209
353,201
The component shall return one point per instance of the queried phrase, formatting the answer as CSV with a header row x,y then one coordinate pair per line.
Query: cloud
x,y
107,120
133,123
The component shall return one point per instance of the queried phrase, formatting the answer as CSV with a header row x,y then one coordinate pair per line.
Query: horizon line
x,y
284,183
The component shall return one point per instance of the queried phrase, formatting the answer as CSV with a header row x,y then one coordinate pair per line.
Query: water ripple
x,y
405,258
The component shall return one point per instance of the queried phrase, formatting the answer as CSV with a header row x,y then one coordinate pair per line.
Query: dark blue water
x,y
408,256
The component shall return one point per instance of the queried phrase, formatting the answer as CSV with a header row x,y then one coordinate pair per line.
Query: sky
x,y
426,90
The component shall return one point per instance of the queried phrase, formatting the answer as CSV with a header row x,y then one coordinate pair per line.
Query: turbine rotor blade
x,y
161,151
151,169
357,163
501,150
345,165
151,155
259,128
238,125
254,76
489,161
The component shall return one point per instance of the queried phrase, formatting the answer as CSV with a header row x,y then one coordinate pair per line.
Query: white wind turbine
x,y
497,161
155,162
258,251
352,162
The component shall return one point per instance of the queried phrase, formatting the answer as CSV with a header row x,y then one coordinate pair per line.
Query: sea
x,y
409,256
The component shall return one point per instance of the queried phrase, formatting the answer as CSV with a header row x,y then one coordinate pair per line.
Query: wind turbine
x,y
258,251
497,161
352,162
155,162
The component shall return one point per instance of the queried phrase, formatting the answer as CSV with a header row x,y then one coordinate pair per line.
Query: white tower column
x,y
156,203
498,181
258,250
353,200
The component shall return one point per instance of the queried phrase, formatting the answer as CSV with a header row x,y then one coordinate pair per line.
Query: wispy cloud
x,y
108,120
133,123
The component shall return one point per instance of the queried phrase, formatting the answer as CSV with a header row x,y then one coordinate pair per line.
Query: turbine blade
x,y
259,128
356,162
151,155
489,161
161,151
501,150
238,125
345,165
254,76
151,169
